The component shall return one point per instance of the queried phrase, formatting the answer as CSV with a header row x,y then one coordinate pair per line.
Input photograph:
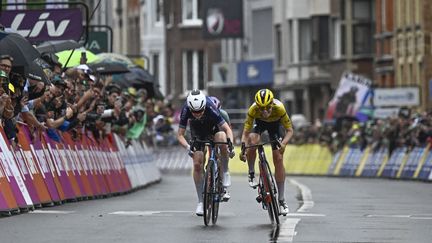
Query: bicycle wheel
x,y
275,203
269,195
216,198
208,194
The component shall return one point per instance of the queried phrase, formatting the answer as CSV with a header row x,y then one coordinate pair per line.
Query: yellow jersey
x,y
278,113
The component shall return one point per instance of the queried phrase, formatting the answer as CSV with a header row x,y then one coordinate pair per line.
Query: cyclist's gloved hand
x,y
282,147
190,152
231,152
242,154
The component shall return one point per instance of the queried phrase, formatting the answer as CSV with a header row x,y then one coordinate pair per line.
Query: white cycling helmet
x,y
196,100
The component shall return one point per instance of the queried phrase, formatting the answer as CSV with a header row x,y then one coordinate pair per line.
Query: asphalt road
x,y
322,210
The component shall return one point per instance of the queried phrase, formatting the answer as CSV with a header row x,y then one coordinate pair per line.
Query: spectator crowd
x,y
405,130
79,100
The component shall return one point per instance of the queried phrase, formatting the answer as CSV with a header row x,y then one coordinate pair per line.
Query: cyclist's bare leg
x,y
254,138
198,169
221,137
279,173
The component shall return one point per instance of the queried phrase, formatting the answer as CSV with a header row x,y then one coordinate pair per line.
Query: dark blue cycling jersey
x,y
208,121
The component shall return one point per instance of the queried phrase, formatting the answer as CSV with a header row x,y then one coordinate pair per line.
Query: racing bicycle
x,y
213,189
267,192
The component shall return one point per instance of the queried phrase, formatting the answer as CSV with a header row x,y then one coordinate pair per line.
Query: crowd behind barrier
x,y
40,171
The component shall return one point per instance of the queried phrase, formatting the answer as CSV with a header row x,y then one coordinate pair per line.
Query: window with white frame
x,y
158,11
191,12
193,70
305,40
155,66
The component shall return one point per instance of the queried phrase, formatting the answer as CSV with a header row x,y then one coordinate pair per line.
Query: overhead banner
x,y
222,19
258,72
43,25
403,96
351,94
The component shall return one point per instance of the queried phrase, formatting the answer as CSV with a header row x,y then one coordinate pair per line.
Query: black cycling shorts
x,y
275,130
201,134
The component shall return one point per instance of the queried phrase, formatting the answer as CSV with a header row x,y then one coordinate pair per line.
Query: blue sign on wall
x,y
255,72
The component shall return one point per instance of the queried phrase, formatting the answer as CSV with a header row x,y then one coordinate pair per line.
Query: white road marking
x,y
144,213
162,213
306,193
287,230
421,217
426,217
305,215
52,212
387,216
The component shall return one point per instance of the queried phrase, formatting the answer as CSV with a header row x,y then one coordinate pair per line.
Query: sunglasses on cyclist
x,y
265,108
197,112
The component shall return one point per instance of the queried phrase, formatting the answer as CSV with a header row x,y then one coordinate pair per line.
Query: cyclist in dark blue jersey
x,y
205,123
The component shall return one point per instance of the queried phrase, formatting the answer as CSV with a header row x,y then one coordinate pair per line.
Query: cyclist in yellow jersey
x,y
268,114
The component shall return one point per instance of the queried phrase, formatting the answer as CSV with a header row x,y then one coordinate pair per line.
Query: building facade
x,y
412,47
153,40
315,43
384,59
189,56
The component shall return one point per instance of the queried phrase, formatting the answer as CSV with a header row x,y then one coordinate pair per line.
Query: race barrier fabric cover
x,y
43,171
314,159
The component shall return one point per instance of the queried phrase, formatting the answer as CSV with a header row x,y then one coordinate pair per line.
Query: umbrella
x,y
138,78
18,47
114,58
57,46
75,58
36,70
108,68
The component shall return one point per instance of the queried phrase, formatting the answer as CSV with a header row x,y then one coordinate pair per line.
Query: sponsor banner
x,y
394,163
44,25
258,72
334,162
426,169
383,113
88,162
7,199
45,168
222,19
373,163
414,157
60,167
25,140
16,181
403,96
69,169
81,175
352,94
27,178
351,162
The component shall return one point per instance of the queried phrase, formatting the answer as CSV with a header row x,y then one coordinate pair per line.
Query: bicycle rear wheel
x,y
208,194
269,194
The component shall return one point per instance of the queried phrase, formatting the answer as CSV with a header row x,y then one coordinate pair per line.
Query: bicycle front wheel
x,y
208,194
216,198
269,194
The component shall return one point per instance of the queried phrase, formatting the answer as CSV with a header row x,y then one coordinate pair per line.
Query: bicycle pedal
x,y
259,199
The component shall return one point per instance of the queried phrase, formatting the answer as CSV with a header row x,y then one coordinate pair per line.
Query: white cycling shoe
x,y
283,208
226,179
200,209
252,181
226,196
